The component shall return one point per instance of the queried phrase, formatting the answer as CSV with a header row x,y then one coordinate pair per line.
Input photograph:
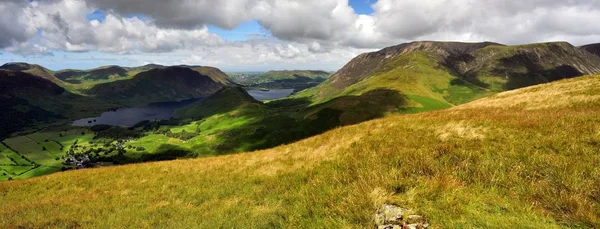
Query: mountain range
x,y
437,75
456,134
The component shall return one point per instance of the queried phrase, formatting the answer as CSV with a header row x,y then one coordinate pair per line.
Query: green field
x,y
36,154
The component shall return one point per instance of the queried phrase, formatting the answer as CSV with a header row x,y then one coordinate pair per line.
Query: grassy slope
x,y
433,76
225,100
29,159
159,85
29,101
415,74
525,158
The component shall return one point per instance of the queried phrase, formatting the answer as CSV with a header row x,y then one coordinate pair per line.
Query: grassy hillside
x,y
160,85
97,75
225,100
33,69
525,158
29,100
435,75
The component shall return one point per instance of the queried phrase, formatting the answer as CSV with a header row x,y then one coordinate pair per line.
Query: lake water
x,y
271,94
161,111
131,116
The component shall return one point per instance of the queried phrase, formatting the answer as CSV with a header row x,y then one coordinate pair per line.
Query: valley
x,y
487,133
443,165
144,114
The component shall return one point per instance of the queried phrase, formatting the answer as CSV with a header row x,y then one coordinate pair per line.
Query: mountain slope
x,y
592,48
455,73
33,69
225,100
28,100
162,84
451,166
97,74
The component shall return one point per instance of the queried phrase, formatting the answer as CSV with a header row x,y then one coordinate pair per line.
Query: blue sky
x,y
243,31
60,59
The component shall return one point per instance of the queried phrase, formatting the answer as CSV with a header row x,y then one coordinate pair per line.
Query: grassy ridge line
x,y
472,166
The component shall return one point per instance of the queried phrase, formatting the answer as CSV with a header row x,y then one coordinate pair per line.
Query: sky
x,y
261,35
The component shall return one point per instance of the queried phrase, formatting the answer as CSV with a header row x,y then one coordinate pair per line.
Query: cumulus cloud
x,y
300,30
502,21
29,49
270,54
11,33
63,25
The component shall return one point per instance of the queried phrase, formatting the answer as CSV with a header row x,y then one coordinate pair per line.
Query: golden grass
x,y
571,92
496,168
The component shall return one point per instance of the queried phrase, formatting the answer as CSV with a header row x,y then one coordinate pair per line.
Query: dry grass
x,y
568,93
497,167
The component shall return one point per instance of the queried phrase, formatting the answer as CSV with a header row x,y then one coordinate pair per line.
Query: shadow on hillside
x,y
165,152
290,120
537,75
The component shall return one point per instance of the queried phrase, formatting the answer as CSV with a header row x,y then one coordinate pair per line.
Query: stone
x,y
393,217
389,215
414,219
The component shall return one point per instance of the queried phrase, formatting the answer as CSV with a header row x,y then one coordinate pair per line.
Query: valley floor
x,y
527,158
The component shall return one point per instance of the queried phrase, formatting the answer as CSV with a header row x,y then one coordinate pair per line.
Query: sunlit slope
x,y
526,158
433,74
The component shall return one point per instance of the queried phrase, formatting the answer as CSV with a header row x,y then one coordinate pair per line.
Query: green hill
x,y
434,75
225,100
526,158
33,69
29,100
106,73
160,85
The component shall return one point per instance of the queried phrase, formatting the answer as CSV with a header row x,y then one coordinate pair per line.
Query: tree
x,y
44,148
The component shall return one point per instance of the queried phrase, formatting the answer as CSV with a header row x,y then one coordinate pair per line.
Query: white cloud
x,y
10,32
302,30
510,21
63,25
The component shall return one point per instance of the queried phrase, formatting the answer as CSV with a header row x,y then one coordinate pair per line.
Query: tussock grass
x,y
496,167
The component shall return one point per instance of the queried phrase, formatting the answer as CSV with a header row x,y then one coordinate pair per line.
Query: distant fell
x,y
161,85
592,48
102,73
29,100
33,69
225,100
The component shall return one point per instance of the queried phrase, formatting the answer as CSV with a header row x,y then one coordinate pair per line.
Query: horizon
x,y
288,68
258,35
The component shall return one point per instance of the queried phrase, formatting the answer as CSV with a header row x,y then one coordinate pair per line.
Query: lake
x,y
271,94
131,116
165,110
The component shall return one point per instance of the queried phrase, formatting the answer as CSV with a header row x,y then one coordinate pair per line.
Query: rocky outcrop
x,y
365,64
396,217
515,66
